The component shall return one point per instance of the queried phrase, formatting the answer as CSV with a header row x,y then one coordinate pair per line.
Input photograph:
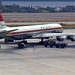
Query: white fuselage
x,y
24,32
34,29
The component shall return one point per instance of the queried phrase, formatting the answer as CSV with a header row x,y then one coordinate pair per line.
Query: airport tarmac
x,y
34,23
38,60
38,15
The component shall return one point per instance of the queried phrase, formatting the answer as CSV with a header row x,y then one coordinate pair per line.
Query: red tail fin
x,y
1,18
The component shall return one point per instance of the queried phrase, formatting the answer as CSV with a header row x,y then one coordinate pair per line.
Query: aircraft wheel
x,y
52,43
63,45
20,45
45,45
41,43
57,45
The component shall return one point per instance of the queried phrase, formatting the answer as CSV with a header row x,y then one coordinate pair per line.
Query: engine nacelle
x,y
72,38
9,40
61,38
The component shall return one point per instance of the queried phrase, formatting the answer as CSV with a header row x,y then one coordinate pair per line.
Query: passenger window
x,y
42,27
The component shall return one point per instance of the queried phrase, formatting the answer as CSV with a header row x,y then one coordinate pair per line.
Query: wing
x,y
59,36
54,34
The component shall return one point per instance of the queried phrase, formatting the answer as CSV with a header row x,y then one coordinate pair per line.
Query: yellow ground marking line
x,y
39,69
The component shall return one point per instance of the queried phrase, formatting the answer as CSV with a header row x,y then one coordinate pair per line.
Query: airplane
x,y
44,31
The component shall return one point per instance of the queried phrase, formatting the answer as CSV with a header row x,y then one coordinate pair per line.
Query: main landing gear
x,y
61,45
41,42
21,44
54,44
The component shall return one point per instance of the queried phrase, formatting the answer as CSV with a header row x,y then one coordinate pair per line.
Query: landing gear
x,y
57,45
54,44
41,42
45,43
63,45
50,43
20,45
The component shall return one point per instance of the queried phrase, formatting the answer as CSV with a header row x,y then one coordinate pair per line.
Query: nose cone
x,y
61,28
61,31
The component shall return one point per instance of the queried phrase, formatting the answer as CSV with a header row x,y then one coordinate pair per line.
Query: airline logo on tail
x,y
2,23
1,18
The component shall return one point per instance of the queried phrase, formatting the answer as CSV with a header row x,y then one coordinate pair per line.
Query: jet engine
x,y
61,38
72,38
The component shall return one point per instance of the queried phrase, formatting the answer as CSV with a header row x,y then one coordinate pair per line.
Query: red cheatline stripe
x,y
13,33
1,18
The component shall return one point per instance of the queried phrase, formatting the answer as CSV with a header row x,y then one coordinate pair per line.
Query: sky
x,y
37,0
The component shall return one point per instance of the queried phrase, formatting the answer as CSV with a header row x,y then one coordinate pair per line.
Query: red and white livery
x,y
33,31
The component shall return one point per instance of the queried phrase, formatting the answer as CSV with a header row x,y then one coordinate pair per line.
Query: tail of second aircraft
x,y
2,23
